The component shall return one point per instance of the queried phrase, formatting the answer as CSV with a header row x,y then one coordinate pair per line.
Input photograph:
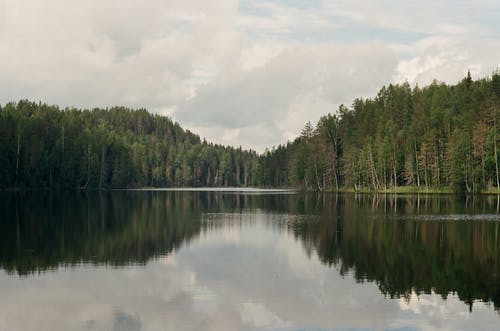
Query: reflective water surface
x,y
195,260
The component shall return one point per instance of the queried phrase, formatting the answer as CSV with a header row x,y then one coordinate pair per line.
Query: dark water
x,y
248,261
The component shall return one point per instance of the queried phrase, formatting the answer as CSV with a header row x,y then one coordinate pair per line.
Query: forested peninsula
x,y
405,139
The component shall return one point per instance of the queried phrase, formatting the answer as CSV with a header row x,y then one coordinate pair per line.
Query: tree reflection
x,y
405,244
411,244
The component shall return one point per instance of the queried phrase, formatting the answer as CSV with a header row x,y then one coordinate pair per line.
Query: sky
x,y
245,73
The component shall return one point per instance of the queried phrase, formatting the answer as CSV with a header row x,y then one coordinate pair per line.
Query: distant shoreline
x,y
393,191
213,189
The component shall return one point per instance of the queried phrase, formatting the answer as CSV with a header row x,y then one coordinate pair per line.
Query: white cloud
x,y
447,59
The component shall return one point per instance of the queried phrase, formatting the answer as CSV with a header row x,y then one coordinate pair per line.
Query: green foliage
x,y
43,146
439,136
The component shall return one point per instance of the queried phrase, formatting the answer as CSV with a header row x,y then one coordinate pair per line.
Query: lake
x,y
248,260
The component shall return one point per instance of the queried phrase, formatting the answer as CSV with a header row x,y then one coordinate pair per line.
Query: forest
x,y
435,138
43,146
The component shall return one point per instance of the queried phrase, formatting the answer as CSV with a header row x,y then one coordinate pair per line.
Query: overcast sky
x,y
247,72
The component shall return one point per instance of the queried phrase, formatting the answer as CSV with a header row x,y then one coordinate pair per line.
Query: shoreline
x,y
396,191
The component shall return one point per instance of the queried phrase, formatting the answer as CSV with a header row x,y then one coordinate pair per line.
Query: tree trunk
x,y
317,177
238,183
335,175
496,157
394,169
375,181
437,168
245,175
334,166
216,178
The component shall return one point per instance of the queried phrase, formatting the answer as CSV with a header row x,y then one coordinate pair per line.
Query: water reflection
x,y
41,232
384,239
205,260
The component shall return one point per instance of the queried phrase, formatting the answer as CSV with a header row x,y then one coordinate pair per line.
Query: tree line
x,y
43,146
436,137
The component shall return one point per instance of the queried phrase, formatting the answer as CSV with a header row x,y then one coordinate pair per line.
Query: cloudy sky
x,y
248,72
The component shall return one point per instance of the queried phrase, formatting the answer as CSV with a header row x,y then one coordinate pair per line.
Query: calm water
x,y
169,260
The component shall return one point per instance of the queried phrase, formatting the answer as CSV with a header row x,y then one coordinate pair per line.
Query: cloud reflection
x,y
247,275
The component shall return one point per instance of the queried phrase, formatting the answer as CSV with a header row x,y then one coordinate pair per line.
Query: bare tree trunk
x,y
334,166
466,183
426,171
395,175
238,182
483,173
216,178
437,166
375,181
335,174
496,157
317,177
394,168
416,163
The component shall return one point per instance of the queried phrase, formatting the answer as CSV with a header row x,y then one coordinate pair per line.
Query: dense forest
x,y
45,146
439,137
